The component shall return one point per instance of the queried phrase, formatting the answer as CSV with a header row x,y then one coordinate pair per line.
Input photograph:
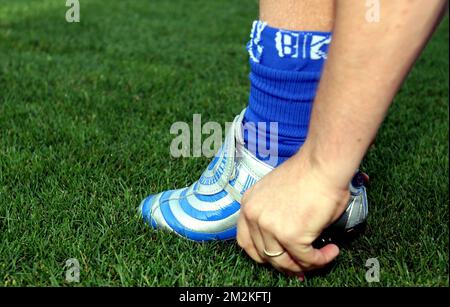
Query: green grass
x,y
85,112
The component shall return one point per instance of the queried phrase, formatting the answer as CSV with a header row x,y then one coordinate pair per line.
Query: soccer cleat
x,y
209,208
353,221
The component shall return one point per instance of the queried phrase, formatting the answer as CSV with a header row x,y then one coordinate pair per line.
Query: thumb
x,y
323,256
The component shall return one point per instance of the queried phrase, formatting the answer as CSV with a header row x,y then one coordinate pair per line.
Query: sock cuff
x,y
286,49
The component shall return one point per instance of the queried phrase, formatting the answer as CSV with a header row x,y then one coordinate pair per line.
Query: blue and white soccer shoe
x,y
209,208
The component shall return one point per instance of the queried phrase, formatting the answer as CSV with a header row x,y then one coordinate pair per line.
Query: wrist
x,y
315,176
335,172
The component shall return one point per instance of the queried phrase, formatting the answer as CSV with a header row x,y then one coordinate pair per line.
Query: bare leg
x,y
305,15
293,204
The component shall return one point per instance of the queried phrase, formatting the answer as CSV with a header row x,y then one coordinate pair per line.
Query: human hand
x,y
286,212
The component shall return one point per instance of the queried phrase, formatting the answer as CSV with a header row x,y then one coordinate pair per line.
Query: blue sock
x,y
285,69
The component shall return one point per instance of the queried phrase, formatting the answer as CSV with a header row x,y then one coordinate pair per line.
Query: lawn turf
x,y
85,113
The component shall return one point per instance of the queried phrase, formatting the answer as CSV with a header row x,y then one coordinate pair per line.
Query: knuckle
x,y
250,213
289,237
265,224
241,242
243,245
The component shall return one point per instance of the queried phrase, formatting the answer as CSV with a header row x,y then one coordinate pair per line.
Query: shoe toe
x,y
145,210
193,216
